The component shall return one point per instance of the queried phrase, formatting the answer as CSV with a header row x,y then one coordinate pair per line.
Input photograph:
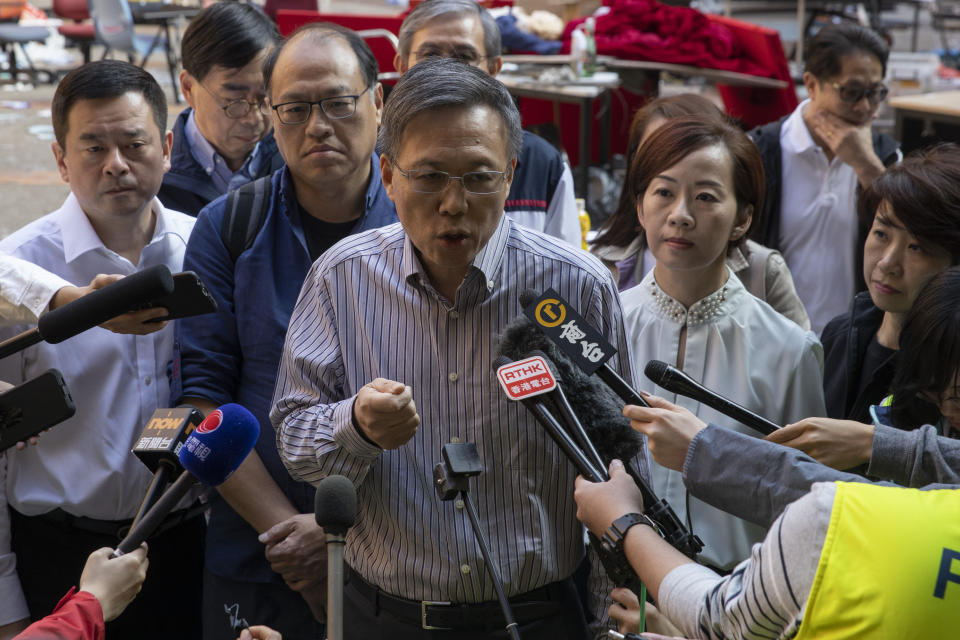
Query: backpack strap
x,y
246,211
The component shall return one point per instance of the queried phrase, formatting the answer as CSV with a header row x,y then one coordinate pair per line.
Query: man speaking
x,y
388,357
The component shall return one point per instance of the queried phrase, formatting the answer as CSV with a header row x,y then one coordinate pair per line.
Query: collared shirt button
x,y
464,569
453,377
489,284
454,315
458,503
147,380
454,439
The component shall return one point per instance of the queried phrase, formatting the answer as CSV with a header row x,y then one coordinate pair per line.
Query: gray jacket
x,y
755,479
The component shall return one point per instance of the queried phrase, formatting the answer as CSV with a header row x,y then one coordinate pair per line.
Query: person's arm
x,y
14,614
841,444
210,360
701,603
25,290
562,217
914,458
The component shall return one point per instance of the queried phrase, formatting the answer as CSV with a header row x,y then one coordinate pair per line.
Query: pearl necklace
x,y
700,312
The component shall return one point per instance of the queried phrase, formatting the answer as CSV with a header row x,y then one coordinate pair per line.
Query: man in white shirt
x,y
72,492
816,160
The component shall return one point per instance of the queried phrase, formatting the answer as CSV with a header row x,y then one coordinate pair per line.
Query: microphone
x,y
554,327
672,379
117,298
159,448
605,421
212,452
335,509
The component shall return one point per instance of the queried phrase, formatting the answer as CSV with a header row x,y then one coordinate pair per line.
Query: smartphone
x,y
189,298
33,406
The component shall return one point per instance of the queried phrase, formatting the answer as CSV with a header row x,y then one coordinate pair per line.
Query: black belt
x,y
527,607
114,528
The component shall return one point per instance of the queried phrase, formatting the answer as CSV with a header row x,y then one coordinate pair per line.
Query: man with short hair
x,y
388,357
80,486
223,140
817,159
325,103
541,194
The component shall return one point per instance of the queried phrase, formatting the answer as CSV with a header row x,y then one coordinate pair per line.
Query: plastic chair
x,y
113,23
80,32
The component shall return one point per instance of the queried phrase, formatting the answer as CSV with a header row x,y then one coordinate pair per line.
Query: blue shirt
x,y
215,165
233,355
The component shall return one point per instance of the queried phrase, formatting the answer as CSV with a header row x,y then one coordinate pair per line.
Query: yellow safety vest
x,y
889,568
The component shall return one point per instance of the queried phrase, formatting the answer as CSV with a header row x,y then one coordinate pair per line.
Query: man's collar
x,y
795,136
373,193
206,156
487,263
79,236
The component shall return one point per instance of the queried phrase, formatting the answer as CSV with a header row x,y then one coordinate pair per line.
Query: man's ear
x,y
378,101
58,153
811,84
387,175
166,147
746,217
512,173
188,87
494,65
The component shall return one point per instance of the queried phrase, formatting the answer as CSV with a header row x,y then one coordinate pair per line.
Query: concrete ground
x,y
31,187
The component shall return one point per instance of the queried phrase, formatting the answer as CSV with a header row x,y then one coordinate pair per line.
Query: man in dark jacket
x,y
223,140
817,159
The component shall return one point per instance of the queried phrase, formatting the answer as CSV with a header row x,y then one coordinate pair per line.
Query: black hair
x,y
929,355
226,34
368,63
105,79
923,192
824,52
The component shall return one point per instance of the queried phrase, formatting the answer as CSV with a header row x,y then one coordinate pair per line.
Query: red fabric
x,y
649,30
78,616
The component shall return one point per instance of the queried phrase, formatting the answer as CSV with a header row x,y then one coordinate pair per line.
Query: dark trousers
x,y
50,559
274,605
365,619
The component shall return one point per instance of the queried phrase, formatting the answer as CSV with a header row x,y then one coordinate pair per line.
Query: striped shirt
x,y
367,310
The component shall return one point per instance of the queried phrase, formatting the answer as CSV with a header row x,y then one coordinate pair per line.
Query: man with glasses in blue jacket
x,y
253,248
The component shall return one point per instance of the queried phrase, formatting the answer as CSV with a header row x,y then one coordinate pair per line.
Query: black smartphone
x,y
33,406
189,298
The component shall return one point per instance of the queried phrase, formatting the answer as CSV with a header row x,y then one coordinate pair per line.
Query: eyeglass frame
x,y
406,174
250,105
355,97
878,89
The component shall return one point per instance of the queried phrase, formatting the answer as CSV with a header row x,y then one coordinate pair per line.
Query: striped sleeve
x,y
765,596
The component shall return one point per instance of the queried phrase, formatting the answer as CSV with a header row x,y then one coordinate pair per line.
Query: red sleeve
x,y
78,616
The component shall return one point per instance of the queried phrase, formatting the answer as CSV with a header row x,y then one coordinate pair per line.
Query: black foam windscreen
x,y
596,406
127,294
335,505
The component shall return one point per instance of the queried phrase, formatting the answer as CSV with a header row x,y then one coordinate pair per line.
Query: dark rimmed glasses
x,y
335,108
854,93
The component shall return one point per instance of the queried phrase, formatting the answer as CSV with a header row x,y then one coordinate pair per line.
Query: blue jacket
x,y
233,355
187,187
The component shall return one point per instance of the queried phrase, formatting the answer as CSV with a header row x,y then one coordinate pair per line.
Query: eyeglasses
x,y
236,109
875,93
335,108
479,183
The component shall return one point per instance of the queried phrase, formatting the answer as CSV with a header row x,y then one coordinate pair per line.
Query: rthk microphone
x,y
672,379
212,452
335,509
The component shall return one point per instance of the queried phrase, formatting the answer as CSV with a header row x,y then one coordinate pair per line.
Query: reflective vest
x,y
889,567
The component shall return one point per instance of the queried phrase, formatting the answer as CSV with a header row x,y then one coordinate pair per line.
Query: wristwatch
x,y
612,540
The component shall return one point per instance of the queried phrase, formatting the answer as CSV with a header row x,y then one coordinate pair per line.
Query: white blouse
x,y
739,347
